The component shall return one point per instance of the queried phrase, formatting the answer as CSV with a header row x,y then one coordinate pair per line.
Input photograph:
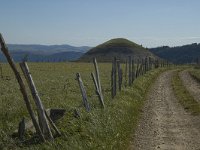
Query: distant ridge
x,y
45,53
179,54
119,47
47,49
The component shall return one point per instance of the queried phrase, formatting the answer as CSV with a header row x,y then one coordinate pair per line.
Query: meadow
x,y
109,128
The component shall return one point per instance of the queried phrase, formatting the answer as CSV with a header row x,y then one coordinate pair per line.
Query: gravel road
x,y
164,123
191,85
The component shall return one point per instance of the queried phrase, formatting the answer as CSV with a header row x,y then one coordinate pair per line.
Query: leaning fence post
x,y
97,81
97,74
40,108
97,90
22,86
83,92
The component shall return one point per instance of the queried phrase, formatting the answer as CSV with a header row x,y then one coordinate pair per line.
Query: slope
x,y
119,47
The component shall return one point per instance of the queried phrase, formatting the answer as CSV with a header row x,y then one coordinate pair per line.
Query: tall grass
x,y
109,128
195,73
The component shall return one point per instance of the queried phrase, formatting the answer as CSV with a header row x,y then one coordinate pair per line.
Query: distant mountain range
x,y
115,47
180,54
45,53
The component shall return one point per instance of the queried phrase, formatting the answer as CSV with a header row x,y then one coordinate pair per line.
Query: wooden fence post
x,y
114,78
112,82
125,73
97,83
133,71
137,69
22,86
83,92
97,75
121,78
98,91
142,67
156,63
130,71
145,65
40,108
119,75
150,63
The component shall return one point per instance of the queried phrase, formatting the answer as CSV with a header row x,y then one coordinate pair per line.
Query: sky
x,y
151,23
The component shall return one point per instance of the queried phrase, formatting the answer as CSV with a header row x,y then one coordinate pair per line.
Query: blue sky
x,y
91,22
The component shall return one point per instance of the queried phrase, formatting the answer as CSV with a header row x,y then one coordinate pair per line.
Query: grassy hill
x,y
179,54
120,48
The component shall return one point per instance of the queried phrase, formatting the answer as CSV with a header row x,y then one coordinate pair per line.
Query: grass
x,y
195,73
110,128
184,96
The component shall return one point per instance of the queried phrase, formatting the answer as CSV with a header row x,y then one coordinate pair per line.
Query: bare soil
x,y
164,123
191,84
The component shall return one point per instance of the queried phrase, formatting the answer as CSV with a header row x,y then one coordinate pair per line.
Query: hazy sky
x,y
91,22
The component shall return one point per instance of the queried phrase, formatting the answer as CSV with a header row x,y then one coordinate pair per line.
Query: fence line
x,y
133,69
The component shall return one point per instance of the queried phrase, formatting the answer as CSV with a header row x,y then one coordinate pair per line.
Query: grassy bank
x,y
195,73
110,128
184,96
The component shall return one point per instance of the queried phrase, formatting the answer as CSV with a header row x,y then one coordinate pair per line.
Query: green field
x,y
111,128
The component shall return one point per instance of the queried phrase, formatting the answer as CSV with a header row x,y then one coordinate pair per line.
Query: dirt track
x,y
165,124
191,85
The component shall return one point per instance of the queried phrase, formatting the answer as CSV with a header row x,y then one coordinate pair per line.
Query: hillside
x,y
120,48
45,53
180,54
